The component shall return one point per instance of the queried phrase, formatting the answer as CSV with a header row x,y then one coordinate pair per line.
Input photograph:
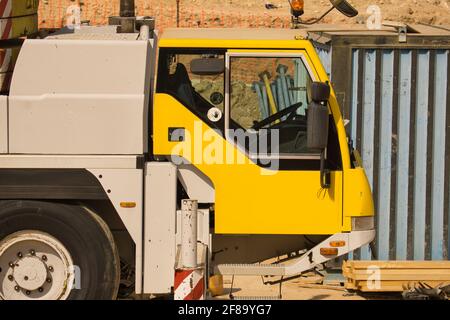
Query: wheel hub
x,y
30,273
34,265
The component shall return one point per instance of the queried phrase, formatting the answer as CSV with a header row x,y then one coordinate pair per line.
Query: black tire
x,y
84,234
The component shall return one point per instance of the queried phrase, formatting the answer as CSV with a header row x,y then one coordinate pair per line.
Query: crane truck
x,y
122,149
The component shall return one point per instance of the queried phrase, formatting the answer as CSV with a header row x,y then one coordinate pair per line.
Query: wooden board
x,y
386,286
394,276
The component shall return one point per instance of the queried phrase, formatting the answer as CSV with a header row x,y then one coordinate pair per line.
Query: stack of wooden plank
x,y
394,276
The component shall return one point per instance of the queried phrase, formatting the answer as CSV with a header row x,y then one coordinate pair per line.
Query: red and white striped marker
x,y
6,23
5,8
189,285
189,281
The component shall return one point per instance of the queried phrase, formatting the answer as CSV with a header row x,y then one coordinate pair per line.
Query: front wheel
x,y
55,251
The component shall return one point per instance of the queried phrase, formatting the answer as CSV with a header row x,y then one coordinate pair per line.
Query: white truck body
x,y
91,120
107,107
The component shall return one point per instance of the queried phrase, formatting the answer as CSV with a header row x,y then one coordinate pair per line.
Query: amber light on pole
x,y
297,7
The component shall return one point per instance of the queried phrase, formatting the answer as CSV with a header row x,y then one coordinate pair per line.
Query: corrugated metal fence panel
x,y
402,165
324,53
400,121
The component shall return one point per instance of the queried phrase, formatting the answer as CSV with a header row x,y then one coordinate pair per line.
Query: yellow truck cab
x,y
253,198
221,95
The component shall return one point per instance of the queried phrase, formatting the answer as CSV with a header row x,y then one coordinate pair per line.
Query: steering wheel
x,y
276,116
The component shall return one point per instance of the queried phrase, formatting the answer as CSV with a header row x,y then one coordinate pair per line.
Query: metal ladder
x,y
264,298
276,269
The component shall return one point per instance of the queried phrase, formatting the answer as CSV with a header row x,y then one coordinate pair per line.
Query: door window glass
x,y
270,93
194,90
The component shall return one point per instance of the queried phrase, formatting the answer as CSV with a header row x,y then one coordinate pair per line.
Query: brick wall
x,y
52,14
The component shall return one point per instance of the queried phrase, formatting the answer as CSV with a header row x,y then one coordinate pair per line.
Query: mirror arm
x,y
325,174
315,20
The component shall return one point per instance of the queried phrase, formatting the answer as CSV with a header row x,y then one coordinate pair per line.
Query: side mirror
x,y
318,117
207,66
345,8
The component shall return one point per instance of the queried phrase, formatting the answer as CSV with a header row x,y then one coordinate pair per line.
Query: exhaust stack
x,y
127,22
127,9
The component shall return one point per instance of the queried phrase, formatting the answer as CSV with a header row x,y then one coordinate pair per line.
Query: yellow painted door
x,y
266,181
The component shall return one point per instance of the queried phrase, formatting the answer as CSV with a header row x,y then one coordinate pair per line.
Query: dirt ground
x,y
245,13
296,289
312,285
304,288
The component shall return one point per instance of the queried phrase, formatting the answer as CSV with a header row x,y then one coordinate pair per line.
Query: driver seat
x,y
180,85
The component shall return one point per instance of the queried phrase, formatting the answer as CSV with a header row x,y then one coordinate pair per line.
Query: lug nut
x,y
40,289
25,278
44,257
48,280
50,268
32,252
16,288
10,278
11,264
19,254
28,292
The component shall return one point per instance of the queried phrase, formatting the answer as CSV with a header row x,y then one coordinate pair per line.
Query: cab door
x,y
266,180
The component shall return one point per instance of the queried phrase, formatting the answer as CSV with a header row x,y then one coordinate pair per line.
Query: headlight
x,y
363,223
